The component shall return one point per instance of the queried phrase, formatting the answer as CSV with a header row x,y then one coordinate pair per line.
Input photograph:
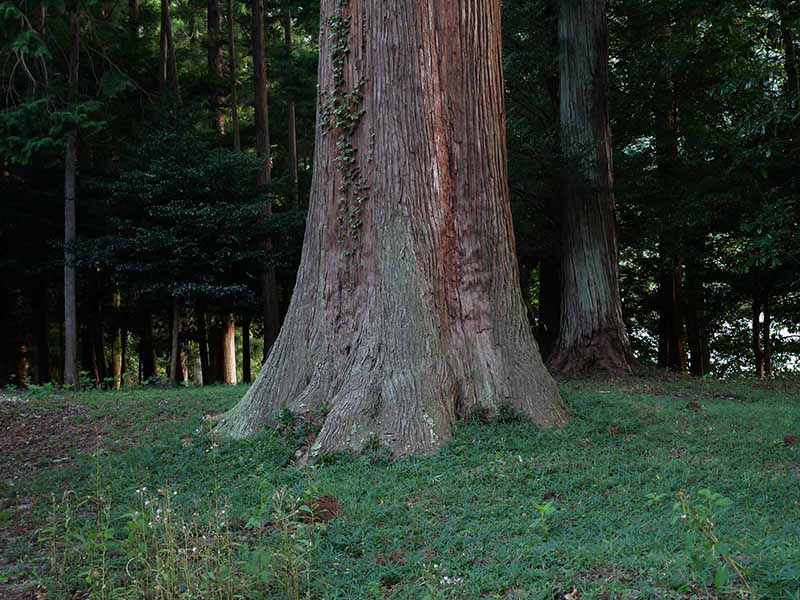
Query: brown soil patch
x,y
322,510
35,435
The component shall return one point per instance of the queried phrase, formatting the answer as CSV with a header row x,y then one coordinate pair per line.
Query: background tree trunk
x,y
214,41
175,375
71,375
671,349
592,333
767,335
247,376
202,343
269,285
696,326
147,354
758,349
407,313
116,343
168,73
237,143
39,306
287,40
229,350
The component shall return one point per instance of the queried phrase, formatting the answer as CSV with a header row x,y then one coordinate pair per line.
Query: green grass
x,y
464,523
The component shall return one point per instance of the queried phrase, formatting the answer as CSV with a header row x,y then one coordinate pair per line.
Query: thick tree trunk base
x,y
603,352
408,402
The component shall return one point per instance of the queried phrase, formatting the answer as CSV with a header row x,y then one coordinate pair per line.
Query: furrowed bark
x,y
592,333
407,313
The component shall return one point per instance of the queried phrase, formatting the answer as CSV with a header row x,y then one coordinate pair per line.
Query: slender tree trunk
x,y
71,375
407,313
229,350
237,143
592,333
124,354
549,304
133,18
39,305
792,89
175,346
695,311
168,73
215,353
247,376
670,302
758,350
287,40
767,335
214,42
116,344
147,355
672,349
269,286
202,342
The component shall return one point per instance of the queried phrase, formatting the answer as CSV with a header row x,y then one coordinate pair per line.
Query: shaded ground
x,y
462,524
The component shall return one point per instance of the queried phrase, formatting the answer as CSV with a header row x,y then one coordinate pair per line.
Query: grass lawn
x,y
503,511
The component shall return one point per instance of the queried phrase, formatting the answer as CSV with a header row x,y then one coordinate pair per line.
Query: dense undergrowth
x,y
657,489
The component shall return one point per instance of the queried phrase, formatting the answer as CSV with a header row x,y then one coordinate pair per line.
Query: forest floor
x,y
125,495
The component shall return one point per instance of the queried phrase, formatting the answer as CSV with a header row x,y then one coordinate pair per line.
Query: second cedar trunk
x,y
591,333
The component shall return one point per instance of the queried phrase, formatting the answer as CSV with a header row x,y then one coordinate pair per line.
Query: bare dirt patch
x,y
37,434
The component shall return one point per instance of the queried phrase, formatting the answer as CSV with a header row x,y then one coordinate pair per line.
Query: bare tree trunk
x,y
407,313
116,344
758,350
39,306
592,333
269,286
767,335
71,375
247,376
695,312
672,349
147,356
133,18
202,343
168,74
237,143
175,346
548,323
790,55
214,42
229,350
287,40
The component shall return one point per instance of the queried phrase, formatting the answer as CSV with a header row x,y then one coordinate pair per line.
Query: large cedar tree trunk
x,y
71,376
407,313
592,333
